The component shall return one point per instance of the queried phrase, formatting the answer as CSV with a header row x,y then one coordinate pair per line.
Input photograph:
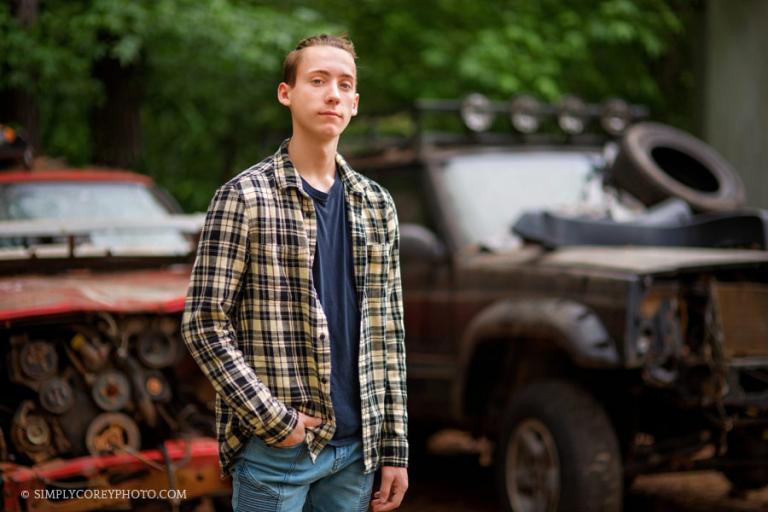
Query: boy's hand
x,y
299,433
394,483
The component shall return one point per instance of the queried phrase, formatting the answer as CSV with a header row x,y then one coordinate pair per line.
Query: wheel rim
x,y
532,468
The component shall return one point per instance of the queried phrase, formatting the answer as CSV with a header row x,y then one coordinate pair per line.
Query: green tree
x,y
200,75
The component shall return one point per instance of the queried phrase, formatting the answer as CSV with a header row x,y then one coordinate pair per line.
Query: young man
x,y
294,311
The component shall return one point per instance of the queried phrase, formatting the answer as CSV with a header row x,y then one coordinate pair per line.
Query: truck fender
x,y
569,325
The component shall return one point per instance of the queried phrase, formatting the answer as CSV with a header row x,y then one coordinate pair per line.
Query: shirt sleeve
x,y
394,450
207,327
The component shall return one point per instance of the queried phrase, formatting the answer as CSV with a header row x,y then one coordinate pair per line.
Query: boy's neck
x,y
315,161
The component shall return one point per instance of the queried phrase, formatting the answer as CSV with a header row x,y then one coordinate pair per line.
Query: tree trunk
x,y
116,123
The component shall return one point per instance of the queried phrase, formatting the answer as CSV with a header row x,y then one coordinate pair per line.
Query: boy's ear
x,y
284,94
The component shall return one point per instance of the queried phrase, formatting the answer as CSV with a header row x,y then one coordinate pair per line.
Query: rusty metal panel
x,y
650,260
194,471
147,290
743,312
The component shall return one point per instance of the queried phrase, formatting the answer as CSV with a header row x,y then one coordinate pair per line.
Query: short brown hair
x,y
291,62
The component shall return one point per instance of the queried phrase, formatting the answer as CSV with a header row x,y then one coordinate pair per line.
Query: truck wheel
x,y
656,161
558,452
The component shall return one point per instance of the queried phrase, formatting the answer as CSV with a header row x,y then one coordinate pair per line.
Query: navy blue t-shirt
x,y
334,275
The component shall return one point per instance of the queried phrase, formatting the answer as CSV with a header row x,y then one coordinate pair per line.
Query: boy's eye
x,y
346,86
317,81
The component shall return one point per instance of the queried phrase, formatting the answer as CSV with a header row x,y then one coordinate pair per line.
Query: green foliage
x,y
548,48
210,67
210,106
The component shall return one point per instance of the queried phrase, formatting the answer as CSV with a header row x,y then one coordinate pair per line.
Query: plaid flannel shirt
x,y
254,324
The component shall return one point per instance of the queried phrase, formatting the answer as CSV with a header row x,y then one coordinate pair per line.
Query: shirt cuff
x,y
280,427
394,452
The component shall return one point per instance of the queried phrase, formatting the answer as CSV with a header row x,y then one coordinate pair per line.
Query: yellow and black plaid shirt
x,y
255,326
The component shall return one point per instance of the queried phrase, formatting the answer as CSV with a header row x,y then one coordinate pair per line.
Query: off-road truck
x,y
595,305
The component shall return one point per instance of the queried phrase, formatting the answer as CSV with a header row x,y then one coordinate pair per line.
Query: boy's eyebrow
x,y
328,73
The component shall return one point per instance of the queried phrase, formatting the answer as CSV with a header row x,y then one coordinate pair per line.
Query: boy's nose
x,y
333,93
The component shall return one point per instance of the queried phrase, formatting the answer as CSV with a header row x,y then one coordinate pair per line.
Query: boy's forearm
x,y
212,345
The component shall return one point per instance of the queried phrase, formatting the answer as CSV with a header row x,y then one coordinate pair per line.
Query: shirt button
x,y
324,380
322,337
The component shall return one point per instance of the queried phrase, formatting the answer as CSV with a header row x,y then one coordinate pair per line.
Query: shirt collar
x,y
286,174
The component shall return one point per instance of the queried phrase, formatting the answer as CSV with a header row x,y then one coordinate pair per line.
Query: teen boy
x,y
294,311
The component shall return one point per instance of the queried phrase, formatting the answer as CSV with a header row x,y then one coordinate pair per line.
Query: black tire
x,y
747,445
586,473
656,161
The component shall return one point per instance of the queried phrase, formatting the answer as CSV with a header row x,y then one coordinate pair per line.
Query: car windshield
x,y
487,192
104,201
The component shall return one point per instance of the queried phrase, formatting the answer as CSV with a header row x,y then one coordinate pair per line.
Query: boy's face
x,y
323,99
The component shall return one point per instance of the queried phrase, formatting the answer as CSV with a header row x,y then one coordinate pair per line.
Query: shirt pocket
x,y
269,275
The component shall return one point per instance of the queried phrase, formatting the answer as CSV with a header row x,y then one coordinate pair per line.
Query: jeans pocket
x,y
293,447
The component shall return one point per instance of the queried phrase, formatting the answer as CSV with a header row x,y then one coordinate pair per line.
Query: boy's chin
x,y
327,133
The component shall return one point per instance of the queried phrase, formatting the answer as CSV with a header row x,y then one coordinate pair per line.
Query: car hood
x,y
79,291
637,260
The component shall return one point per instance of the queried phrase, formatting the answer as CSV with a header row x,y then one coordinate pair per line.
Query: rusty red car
x,y
99,392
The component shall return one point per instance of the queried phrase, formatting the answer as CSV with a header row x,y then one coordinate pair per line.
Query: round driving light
x,y
476,112
615,116
7,134
572,115
523,114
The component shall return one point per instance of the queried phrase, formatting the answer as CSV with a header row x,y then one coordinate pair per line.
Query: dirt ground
x,y
459,484
451,482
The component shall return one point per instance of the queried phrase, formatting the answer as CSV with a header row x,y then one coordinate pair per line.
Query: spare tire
x,y
656,161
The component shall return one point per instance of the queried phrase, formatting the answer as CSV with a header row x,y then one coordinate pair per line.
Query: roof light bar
x,y
526,113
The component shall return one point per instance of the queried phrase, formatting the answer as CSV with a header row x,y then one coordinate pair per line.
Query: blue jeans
x,y
268,479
